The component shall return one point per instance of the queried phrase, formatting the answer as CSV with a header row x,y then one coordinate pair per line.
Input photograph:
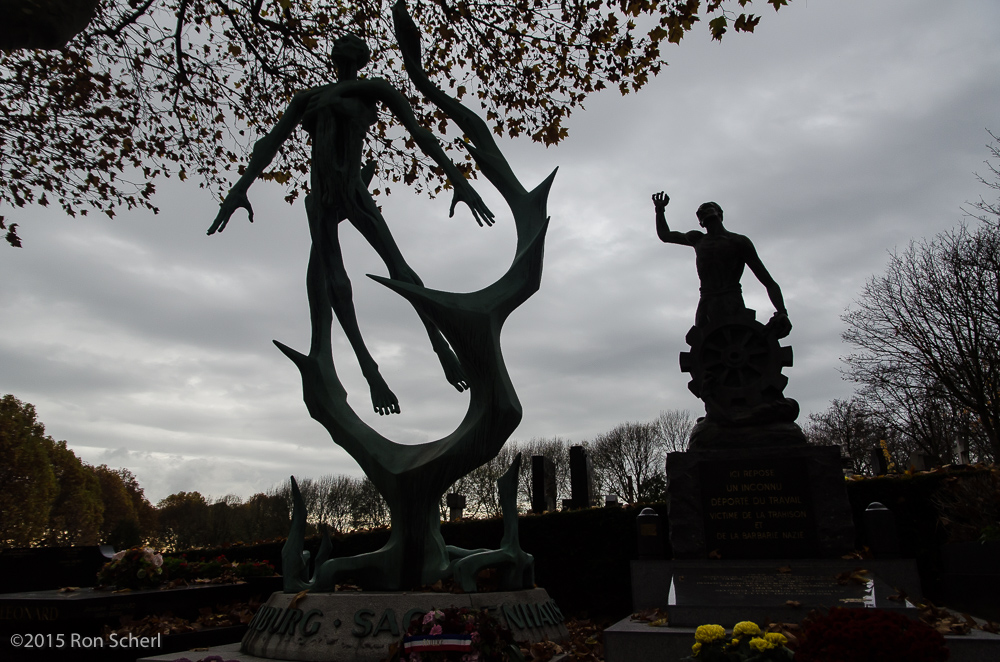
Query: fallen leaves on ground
x,y
229,615
541,651
655,617
858,555
946,622
856,576
586,640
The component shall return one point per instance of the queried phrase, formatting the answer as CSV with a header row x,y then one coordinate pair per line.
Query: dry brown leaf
x,y
650,615
793,603
299,597
856,576
785,569
543,651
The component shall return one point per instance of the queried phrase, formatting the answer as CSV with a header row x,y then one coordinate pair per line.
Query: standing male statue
x,y
337,118
720,256
735,362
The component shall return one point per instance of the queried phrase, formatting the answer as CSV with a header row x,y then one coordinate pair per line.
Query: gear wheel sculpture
x,y
736,363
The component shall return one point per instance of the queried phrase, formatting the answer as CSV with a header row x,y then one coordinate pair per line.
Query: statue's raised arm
x,y
663,231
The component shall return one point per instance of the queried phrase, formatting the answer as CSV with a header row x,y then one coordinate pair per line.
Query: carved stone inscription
x,y
758,509
737,587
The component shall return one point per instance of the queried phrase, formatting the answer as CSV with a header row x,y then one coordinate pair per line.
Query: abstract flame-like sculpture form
x,y
412,478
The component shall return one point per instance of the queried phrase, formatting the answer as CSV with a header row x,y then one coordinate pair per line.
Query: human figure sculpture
x,y
411,477
735,361
720,256
337,118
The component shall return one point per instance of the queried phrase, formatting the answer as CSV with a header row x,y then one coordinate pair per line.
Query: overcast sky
x,y
837,132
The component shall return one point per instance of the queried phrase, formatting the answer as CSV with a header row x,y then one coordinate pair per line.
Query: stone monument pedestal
x,y
759,503
361,626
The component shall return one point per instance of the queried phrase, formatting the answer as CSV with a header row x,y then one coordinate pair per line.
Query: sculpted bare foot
x,y
383,400
452,369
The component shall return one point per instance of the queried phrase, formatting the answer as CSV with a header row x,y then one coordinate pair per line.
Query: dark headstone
x,y
971,580
543,484
759,503
709,592
962,451
879,464
649,530
43,568
456,504
919,461
581,478
880,527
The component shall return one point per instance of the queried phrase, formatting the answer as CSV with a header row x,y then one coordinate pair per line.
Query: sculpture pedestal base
x,y
759,503
360,627
707,435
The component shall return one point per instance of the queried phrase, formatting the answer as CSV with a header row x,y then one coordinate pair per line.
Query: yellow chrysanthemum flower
x,y
745,627
776,638
695,649
706,634
761,645
734,642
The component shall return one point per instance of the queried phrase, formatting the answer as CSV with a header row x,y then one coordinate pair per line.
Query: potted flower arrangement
x,y
746,644
457,635
869,635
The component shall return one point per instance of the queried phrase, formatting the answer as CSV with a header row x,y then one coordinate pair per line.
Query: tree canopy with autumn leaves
x,y
157,88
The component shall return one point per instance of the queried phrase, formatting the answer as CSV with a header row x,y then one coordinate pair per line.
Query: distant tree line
x,y
48,496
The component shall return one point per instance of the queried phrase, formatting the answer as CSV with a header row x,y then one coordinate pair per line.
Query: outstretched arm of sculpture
x,y
400,107
261,157
663,231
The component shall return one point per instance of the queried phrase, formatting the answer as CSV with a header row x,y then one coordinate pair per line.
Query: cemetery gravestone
x,y
581,478
758,519
543,484
456,506
748,486
759,503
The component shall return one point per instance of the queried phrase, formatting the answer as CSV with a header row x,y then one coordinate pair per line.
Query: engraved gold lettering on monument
x,y
756,507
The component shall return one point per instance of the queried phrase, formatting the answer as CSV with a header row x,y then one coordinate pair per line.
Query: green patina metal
x,y
412,478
